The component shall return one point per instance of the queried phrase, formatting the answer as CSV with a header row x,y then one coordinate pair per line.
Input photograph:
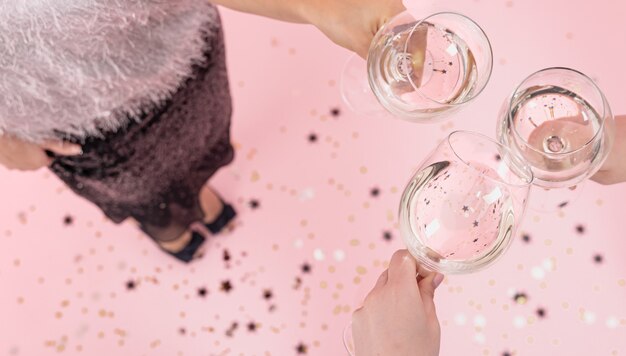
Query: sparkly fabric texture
x,y
154,169
84,67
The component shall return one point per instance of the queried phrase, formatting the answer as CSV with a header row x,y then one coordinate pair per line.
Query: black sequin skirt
x,y
154,168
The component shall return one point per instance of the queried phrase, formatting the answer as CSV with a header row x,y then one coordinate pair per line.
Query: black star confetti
x,y
526,238
498,158
387,236
301,349
465,208
541,313
312,138
506,353
226,256
226,286
297,283
182,331
598,259
306,268
580,229
254,204
130,285
475,223
68,220
252,326
520,298
232,329
202,292
375,192
335,112
563,204
267,294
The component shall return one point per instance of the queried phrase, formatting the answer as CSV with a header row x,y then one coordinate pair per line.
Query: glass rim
x,y
524,165
482,32
595,135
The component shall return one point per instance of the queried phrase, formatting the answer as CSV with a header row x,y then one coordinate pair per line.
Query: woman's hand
x,y
398,316
351,23
16,154
614,169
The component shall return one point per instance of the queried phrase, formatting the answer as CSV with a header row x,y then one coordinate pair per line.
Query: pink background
x,y
64,286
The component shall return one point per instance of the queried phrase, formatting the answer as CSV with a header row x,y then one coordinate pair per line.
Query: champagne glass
x,y
461,209
560,122
459,212
420,70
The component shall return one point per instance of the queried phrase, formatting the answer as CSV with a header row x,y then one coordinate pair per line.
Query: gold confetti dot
x,y
547,242
363,170
255,176
530,339
492,282
621,283
354,242
17,263
323,285
337,310
20,300
65,303
361,270
331,269
58,315
356,280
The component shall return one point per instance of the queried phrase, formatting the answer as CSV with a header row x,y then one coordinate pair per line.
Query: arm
x,y
614,169
349,23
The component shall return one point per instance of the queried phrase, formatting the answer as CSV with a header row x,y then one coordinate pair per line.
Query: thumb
x,y
427,288
62,148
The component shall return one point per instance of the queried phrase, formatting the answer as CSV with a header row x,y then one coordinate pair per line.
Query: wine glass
x,y
419,70
560,122
461,209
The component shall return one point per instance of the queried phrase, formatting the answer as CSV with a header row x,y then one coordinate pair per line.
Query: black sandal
x,y
226,216
188,252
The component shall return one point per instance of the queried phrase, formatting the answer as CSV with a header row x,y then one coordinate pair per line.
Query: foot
x,y
212,206
177,245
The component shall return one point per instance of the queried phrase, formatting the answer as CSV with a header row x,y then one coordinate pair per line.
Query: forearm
x,y
284,10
